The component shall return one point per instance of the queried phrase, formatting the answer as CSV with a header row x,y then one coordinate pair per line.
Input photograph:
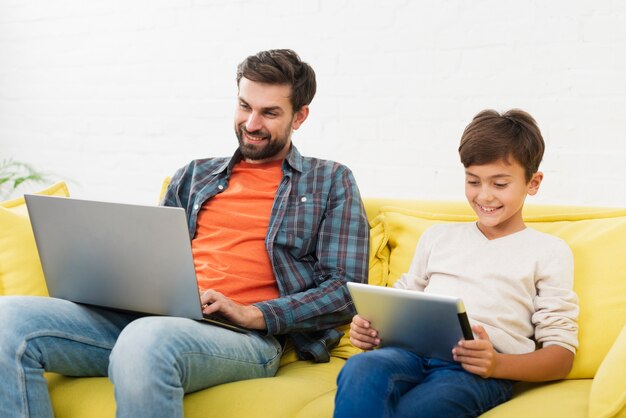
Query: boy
x,y
516,284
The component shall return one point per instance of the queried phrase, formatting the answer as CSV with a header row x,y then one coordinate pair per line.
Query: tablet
x,y
427,324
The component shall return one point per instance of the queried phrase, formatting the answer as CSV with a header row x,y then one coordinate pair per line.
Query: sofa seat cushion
x,y
565,398
294,386
284,395
529,400
74,397
320,407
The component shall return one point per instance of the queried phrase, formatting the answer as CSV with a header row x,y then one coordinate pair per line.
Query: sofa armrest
x,y
607,398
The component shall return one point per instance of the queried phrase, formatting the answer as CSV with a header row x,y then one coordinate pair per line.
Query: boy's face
x,y
496,192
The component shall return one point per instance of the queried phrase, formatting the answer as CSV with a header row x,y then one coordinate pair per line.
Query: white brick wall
x,y
114,95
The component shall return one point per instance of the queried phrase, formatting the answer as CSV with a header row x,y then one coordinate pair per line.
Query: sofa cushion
x,y
20,269
81,397
599,281
293,387
379,252
608,390
322,406
597,239
402,229
565,398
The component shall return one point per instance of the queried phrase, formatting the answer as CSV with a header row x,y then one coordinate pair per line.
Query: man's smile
x,y
256,136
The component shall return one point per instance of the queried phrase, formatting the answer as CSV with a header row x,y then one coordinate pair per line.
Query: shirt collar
x,y
293,160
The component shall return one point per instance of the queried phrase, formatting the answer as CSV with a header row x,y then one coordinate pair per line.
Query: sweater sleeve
x,y
556,304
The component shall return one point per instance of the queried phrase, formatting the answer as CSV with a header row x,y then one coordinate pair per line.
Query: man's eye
x,y
244,106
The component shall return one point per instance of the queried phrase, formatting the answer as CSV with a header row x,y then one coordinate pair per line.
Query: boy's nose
x,y
485,194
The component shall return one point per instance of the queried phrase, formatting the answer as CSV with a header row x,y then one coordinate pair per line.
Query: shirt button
x,y
196,206
303,199
220,187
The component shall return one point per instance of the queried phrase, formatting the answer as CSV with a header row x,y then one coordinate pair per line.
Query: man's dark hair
x,y
491,136
281,66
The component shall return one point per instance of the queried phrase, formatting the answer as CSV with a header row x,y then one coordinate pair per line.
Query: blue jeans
x,y
392,382
152,361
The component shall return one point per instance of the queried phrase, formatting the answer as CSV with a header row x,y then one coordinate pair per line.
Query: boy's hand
x,y
362,335
477,356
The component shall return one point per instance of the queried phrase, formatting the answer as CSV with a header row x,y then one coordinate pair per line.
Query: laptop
x,y
119,256
427,324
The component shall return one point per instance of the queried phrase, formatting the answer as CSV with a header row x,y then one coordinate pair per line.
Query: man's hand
x,y
249,317
362,335
477,356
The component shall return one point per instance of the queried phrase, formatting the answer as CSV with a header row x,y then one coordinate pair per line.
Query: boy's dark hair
x,y
491,136
281,66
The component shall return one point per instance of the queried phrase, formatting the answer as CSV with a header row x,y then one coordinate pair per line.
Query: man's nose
x,y
254,122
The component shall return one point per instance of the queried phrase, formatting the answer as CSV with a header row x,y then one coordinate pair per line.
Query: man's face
x,y
264,120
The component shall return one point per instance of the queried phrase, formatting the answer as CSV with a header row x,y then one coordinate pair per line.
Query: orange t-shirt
x,y
229,248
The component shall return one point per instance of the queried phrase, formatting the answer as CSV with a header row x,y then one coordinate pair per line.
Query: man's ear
x,y
299,117
534,183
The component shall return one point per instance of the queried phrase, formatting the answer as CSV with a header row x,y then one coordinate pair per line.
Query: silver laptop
x,y
119,256
429,325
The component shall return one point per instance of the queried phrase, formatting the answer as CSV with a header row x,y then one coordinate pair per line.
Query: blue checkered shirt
x,y
317,240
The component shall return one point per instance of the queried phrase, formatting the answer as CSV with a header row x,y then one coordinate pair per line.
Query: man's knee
x,y
138,353
139,341
13,312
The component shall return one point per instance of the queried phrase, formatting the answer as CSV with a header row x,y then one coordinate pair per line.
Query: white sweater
x,y
518,287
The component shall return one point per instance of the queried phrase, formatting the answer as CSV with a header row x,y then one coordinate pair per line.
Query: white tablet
x,y
427,324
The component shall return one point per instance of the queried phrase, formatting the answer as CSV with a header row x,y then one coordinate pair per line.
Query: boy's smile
x,y
496,192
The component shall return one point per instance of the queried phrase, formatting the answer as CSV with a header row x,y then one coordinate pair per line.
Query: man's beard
x,y
269,148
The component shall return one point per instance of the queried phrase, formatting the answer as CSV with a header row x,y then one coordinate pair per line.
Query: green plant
x,y
13,174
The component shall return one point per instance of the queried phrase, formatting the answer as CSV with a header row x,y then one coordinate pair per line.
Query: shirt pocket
x,y
299,230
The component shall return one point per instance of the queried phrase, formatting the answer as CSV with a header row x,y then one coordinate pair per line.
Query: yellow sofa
x,y
596,386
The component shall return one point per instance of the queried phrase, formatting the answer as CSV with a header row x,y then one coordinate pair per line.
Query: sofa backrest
x,y
597,237
20,269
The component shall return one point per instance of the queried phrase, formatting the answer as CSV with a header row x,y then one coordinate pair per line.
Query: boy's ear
x,y
534,183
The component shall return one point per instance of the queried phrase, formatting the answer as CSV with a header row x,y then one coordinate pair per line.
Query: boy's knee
x,y
377,359
358,369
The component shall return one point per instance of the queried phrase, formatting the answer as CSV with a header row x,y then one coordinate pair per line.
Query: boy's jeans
x,y
392,382
152,361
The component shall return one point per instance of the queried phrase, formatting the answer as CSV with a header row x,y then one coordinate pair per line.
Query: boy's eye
x,y
472,182
501,185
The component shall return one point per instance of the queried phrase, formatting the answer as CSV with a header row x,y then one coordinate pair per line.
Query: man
x,y
275,238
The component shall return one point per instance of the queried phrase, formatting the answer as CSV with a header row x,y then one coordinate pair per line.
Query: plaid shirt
x,y
317,240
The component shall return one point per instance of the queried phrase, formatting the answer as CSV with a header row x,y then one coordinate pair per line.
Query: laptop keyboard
x,y
220,321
